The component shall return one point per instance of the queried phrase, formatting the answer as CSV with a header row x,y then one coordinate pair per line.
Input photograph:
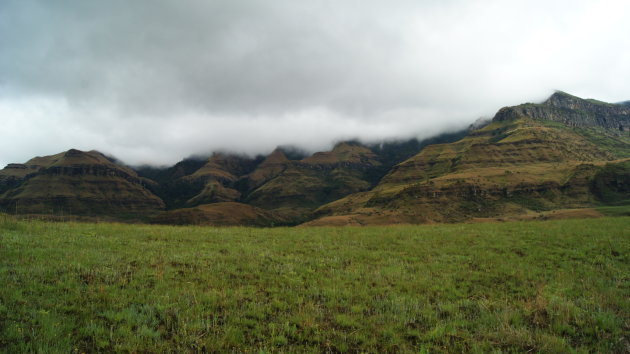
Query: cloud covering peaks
x,y
153,81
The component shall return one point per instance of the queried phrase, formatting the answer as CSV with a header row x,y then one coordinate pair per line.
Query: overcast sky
x,y
153,81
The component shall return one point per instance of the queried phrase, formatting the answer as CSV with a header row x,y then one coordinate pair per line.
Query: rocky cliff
x,y
572,111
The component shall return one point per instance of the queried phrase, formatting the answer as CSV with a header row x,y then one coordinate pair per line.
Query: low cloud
x,y
155,81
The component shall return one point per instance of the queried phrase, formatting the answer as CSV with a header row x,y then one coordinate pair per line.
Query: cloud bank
x,y
153,81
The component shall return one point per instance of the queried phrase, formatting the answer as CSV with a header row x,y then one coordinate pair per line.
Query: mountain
x,y
76,183
195,181
219,176
288,183
529,160
321,176
563,153
168,185
572,111
271,167
288,189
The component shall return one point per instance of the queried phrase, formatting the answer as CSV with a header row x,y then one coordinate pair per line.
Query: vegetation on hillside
x,y
516,165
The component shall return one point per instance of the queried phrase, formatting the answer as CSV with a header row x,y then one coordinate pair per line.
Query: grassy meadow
x,y
543,286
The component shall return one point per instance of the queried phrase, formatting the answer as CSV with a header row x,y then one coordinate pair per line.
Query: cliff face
x,y
572,111
78,183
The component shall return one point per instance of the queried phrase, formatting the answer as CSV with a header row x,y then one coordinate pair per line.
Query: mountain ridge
x,y
565,152
571,110
525,159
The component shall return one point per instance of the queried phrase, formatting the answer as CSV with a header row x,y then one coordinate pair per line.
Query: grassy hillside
x,y
564,153
553,286
510,167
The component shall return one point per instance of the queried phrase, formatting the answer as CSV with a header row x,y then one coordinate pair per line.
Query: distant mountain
x,y
287,182
565,152
76,183
530,158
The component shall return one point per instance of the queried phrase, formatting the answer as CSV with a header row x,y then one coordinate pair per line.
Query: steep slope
x,y
288,182
169,185
219,176
301,186
196,181
271,167
530,158
77,183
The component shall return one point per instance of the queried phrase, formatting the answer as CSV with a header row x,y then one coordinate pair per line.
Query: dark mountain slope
x,y
196,181
169,186
219,176
291,185
294,188
78,183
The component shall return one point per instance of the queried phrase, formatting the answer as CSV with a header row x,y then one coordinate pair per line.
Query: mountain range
x,y
562,155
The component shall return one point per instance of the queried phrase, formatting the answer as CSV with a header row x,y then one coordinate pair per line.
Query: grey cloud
x,y
154,81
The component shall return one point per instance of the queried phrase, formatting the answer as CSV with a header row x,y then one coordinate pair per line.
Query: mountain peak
x,y
572,111
561,98
277,156
73,152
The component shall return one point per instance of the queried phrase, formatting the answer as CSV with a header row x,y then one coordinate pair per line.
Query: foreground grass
x,y
551,286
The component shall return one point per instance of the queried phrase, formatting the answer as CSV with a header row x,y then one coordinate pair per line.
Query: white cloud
x,y
155,81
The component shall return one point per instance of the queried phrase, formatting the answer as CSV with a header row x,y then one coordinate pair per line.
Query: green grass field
x,y
546,286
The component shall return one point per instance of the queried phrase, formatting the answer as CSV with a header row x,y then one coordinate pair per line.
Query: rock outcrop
x,y
572,111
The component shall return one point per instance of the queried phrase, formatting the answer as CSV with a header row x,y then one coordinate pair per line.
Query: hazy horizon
x,y
153,82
